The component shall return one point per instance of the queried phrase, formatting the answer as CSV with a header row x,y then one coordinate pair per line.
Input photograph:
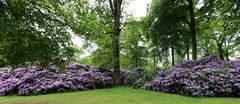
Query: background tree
x,y
192,25
34,31
166,27
116,8
134,47
215,21
221,20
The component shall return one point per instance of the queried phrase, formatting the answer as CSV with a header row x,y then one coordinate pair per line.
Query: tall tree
x,y
116,8
33,31
166,26
134,49
222,21
192,26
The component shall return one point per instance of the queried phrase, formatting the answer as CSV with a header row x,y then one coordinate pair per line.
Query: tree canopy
x,y
42,32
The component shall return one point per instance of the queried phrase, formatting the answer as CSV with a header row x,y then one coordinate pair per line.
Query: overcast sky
x,y
138,7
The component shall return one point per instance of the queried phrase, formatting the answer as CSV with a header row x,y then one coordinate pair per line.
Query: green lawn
x,y
118,95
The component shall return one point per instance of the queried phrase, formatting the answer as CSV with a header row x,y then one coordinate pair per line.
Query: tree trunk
x,y
226,53
220,51
154,58
116,63
136,61
193,30
172,52
115,6
227,56
115,42
154,62
188,54
136,54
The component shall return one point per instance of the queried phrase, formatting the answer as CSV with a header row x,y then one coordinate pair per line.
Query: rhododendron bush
x,y
33,81
209,76
137,77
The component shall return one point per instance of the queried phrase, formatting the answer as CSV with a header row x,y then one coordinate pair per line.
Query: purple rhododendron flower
x,y
32,81
208,76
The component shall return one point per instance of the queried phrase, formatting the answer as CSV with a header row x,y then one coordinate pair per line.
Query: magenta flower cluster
x,y
209,76
33,81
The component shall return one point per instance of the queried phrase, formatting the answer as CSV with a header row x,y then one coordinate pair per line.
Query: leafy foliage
x,y
138,77
34,31
167,27
133,45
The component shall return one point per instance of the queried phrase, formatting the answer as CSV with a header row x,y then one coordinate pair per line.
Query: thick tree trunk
x,y
116,63
193,30
220,51
115,42
115,6
173,59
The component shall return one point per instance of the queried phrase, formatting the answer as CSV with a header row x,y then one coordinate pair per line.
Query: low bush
x,y
137,77
209,76
132,76
33,81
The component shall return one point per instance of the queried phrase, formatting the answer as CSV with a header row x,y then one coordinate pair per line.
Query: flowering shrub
x,y
138,77
32,81
75,66
205,77
234,64
146,77
132,76
186,64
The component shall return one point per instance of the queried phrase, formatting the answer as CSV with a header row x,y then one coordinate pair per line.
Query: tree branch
x,y
111,5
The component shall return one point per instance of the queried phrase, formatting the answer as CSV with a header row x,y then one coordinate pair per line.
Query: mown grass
x,y
117,95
